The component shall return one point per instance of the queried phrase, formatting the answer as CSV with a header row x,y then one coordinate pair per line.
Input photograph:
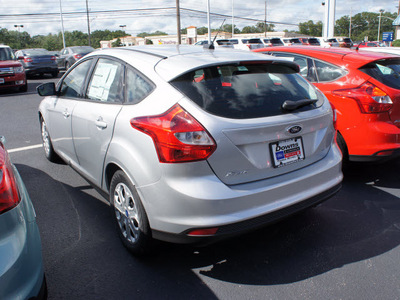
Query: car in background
x,y
223,43
370,44
291,41
364,88
271,42
69,55
310,41
246,43
12,73
37,62
328,42
192,145
344,42
21,266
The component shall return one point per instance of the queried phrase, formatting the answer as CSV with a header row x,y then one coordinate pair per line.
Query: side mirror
x,y
46,89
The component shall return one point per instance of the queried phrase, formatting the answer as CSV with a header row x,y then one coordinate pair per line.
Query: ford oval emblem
x,y
294,129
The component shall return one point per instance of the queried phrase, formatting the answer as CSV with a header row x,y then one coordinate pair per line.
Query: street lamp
x,y
122,26
19,33
379,26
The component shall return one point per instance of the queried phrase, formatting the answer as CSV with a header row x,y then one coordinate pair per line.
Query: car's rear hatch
x,y
256,138
385,74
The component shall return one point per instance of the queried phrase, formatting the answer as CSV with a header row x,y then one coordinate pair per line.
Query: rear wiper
x,y
293,105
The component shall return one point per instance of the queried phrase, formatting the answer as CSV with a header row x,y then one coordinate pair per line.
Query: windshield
x,y
385,71
246,90
6,54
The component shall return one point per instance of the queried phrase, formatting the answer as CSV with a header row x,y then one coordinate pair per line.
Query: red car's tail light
x,y
178,136
369,97
53,58
77,56
28,59
9,196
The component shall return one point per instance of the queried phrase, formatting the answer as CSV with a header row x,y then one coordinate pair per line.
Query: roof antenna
x,y
211,46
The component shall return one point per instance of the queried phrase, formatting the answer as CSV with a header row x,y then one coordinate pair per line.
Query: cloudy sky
x,y
43,16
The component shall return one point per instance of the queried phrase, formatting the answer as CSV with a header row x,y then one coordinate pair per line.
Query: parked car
x,y
390,50
291,41
344,42
364,88
246,43
223,43
69,55
270,42
21,265
12,73
370,44
328,42
37,62
192,145
310,41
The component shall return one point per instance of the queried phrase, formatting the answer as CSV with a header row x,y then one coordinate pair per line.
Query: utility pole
x,y
178,22
208,22
62,25
233,26
88,24
351,13
265,19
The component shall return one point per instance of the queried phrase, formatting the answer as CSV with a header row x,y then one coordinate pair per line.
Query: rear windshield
x,y
246,90
313,41
332,40
34,52
82,49
347,40
385,71
253,41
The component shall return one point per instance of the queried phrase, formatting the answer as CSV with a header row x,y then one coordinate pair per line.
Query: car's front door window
x,y
72,85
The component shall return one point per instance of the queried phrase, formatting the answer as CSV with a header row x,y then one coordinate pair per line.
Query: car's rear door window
x,y
385,71
246,90
106,84
327,72
137,87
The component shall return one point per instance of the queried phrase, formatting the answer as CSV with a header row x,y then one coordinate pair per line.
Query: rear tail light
x,y
369,97
9,196
177,136
53,58
28,59
77,56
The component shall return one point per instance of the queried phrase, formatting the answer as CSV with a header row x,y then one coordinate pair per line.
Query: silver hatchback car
x,y
191,144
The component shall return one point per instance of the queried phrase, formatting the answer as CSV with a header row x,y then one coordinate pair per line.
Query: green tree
x,y
116,43
311,28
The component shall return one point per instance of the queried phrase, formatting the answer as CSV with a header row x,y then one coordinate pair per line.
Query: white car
x,y
247,44
328,42
222,43
391,50
292,42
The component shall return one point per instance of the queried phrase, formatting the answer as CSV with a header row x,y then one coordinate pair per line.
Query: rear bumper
x,y
37,70
21,266
179,205
16,80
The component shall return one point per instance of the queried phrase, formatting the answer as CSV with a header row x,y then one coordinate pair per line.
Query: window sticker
x,y
102,80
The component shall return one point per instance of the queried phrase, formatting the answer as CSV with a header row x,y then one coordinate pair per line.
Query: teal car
x,y
21,265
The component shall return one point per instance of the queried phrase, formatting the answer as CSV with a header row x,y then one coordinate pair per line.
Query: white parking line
x,y
24,148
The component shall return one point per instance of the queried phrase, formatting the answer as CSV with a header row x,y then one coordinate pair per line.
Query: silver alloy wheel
x,y
126,212
46,139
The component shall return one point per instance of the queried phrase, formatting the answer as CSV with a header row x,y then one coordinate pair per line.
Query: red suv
x,y
12,73
364,87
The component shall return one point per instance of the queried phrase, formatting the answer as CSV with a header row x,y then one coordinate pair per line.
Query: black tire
x,y
343,147
129,215
49,152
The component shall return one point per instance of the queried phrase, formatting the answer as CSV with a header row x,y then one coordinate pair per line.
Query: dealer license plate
x,y
1,80
287,152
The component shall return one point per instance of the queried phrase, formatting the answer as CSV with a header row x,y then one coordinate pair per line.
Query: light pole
x,y
122,26
87,16
62,25
19,33
379,26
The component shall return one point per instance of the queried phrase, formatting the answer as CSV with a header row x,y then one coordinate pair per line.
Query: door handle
x,y
100,123
66,114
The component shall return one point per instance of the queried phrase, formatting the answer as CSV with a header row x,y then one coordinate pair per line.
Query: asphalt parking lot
x,y
346,248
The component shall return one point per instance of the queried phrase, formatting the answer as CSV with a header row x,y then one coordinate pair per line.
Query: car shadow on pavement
x,y
85,259
361,222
